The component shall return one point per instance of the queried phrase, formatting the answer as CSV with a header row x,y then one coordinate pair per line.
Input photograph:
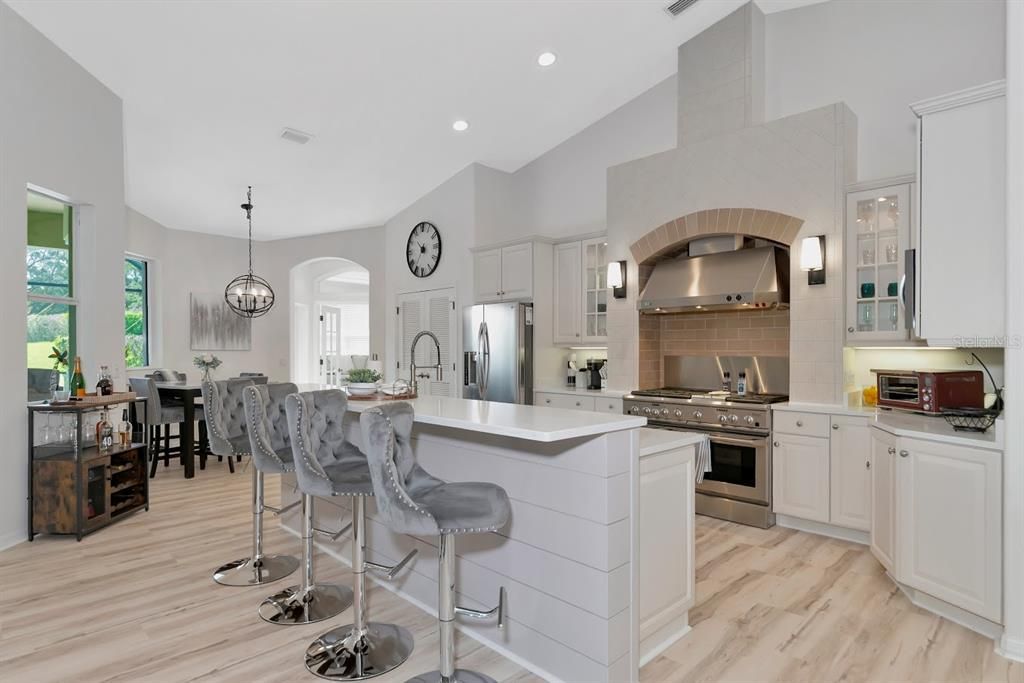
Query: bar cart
x,y
74,485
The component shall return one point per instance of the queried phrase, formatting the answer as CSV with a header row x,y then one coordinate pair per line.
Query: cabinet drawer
x,y
801,424
604,404
567,401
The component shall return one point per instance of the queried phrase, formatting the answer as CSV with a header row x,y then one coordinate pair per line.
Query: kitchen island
x,y
567,558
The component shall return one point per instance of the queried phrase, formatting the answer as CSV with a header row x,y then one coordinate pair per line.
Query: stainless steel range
x,y
739,486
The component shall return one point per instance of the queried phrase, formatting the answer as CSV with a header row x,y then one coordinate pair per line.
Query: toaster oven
x,y
930,391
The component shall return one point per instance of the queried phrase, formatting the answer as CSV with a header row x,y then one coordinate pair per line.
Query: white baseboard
x,y
979,625
665,638
1011,648
11,539
822,529
507,654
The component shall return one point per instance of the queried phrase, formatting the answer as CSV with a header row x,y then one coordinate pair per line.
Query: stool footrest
x,y
286,508
499,610
333,535
391,571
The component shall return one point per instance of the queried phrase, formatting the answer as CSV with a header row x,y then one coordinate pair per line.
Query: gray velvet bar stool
x,y
271,442
326,464
411,501
223,403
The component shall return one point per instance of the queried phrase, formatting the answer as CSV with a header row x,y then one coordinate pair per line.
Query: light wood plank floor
x,y
135,602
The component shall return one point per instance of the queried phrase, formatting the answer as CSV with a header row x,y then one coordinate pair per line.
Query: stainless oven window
x,y
733,464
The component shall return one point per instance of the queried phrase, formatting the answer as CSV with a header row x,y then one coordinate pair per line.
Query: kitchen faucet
x,y
412,360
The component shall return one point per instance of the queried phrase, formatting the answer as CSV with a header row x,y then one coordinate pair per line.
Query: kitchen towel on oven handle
x,y
703,463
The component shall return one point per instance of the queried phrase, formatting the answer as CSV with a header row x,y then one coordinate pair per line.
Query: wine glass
x,y
47,433
867,317
894,315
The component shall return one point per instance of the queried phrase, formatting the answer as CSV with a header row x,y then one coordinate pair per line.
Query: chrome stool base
x,y
245,572
461,676
323,601
340,655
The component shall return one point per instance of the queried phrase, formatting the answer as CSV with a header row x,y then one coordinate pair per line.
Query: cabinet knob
x,y
799,423
547,400
577,404
904,454
835,426
849,329
776,444
892,451
867,464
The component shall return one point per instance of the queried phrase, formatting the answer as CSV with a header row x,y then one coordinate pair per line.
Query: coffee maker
x,y
593,371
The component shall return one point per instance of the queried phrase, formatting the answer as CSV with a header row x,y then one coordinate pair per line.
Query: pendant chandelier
x,y
250,296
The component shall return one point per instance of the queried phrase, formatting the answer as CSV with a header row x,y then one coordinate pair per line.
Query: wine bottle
x,y
104,434
124,430
78,379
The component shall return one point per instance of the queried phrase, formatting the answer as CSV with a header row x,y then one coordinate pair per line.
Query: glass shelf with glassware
x,y
877,234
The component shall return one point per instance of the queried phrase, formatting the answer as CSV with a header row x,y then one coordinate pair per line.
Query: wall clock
x,y
423,250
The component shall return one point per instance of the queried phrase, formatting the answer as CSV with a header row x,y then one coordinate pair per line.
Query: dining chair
x,y
157,413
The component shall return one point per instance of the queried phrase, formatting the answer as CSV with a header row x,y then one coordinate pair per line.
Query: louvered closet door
x,y
434,311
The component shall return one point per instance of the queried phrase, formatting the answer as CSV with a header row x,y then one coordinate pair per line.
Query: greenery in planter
x,y
363,376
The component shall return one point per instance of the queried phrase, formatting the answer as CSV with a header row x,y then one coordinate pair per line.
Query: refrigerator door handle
x,y
908,290
483,342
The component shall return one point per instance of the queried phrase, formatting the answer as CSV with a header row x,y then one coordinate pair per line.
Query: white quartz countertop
x,y
660,440
532,423
577,391
911,425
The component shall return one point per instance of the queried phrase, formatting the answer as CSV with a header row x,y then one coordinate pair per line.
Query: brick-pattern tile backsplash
x,y
728,333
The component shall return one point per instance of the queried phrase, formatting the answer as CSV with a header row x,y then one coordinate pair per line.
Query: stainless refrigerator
x,y
497,352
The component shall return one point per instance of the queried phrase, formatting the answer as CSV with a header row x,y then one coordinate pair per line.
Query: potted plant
x,y
363,381
207,363
60,366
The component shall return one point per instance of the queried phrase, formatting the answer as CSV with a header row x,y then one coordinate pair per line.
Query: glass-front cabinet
x,y
595,290
878,221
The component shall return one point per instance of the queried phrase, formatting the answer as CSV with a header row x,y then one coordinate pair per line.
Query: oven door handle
x,y
737,440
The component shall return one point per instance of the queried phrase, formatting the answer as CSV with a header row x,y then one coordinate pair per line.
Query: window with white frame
x,y
136,312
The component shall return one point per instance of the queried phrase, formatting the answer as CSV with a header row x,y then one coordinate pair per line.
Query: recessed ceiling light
x,y
460,125
881,199
547,58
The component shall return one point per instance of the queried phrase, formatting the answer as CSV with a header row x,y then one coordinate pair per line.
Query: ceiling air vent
x,y
679,6
296,136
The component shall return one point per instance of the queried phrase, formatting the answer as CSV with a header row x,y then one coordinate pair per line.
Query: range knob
x,y
723,419
679,414
734,418
749,419
647,411
697,414
664,411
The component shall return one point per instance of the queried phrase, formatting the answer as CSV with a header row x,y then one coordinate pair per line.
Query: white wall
x,y
877,57
60,129
452,208
188,262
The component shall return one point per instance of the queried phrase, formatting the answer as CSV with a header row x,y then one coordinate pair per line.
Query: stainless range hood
x,y
745,279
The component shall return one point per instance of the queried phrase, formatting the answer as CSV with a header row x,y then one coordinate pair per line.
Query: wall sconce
x,y
617,279
812,259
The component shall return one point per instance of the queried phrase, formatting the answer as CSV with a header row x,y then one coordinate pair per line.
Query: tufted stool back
x,y
397,479
267,424
316,423
223,402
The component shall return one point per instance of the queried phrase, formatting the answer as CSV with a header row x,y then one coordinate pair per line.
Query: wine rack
x,y
74,486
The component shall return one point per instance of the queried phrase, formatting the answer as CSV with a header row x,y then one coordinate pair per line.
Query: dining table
x,y
187,394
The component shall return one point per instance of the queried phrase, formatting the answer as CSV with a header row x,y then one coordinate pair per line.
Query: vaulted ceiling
x,y
208,86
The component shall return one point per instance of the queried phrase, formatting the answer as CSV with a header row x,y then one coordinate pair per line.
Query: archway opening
x,y
330,319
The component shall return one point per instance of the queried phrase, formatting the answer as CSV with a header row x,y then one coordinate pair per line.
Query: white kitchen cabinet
x,y
605,404
503,273
487,276
884,447
800,477
595,290
949,539
581,292
568,297
665,547
961,282
850,473
567,401
878,233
